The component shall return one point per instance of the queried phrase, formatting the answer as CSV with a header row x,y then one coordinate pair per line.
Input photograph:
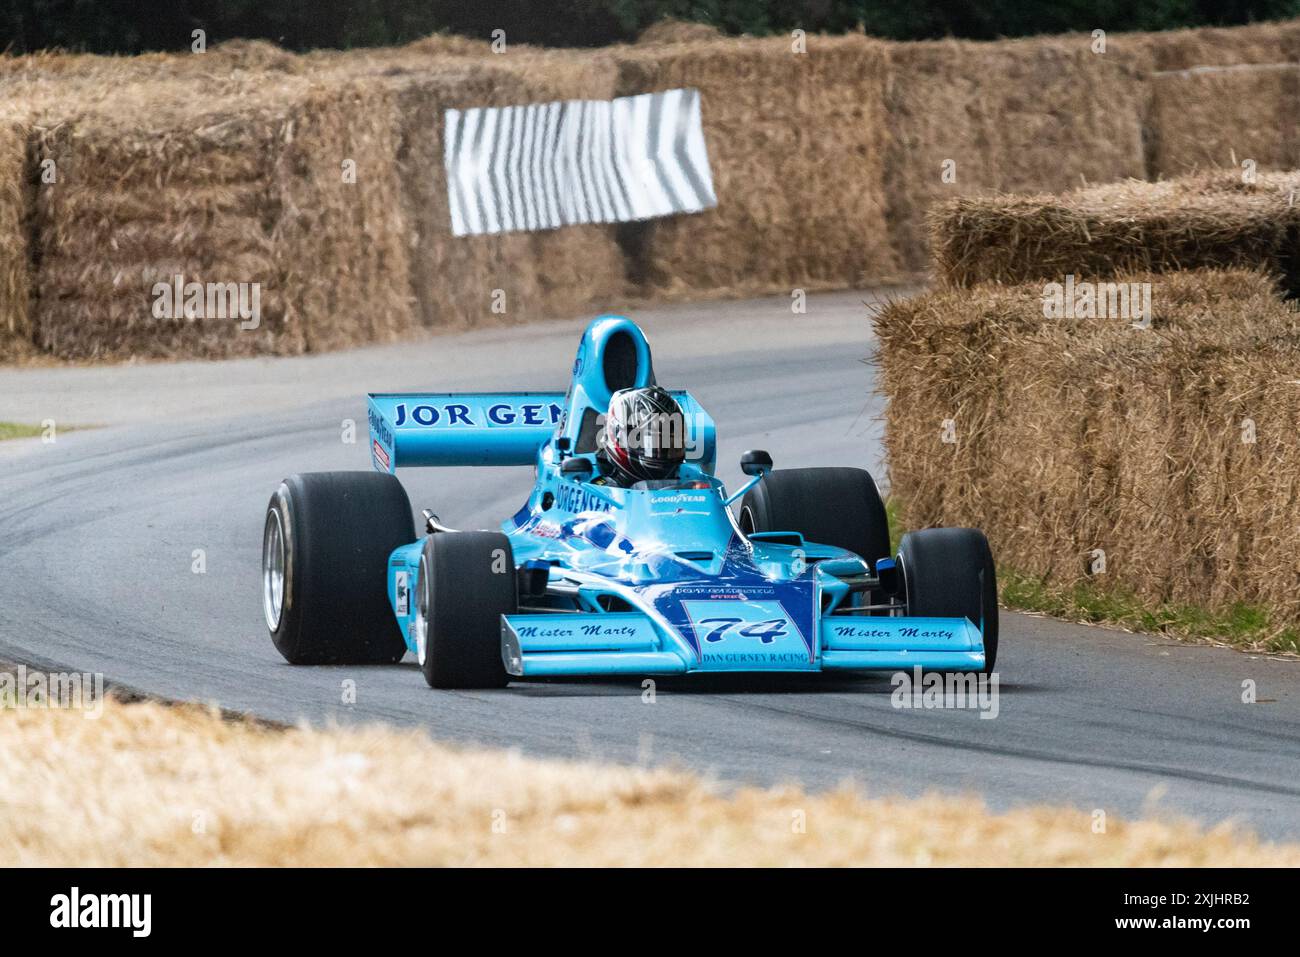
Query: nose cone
x,y
737,623
680,526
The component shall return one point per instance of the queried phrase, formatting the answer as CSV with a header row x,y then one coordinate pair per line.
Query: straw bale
x,y
670,30
1043,114
1222,117
1086,434
796,146
343,250
156,181
1271,42
15,251
53,79
1210,219
450,44
94,290
556,272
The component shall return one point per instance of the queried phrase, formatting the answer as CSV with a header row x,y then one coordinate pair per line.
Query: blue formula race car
x,y
626,559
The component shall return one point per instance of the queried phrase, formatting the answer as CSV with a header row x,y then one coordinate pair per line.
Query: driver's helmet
x,y
645,435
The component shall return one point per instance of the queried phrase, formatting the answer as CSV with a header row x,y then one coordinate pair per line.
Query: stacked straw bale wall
x,y
1204,220
225,166
796,143
15,252
242,184
970,119
507,277
1174,450
1226,117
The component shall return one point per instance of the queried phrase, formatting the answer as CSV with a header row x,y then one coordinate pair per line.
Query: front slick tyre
x,y
948,573
467,582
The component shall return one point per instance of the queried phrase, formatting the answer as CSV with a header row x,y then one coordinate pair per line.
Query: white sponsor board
x,y
547,165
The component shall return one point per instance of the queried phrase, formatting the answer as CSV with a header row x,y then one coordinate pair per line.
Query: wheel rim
x,y
421,623
273,565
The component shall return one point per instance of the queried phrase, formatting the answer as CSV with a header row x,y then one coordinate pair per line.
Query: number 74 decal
x,y
765,631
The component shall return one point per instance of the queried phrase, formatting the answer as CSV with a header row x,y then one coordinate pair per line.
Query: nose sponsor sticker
x,y
748,635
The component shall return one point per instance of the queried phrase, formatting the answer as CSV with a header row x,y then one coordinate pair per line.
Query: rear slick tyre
x,y
827,506
326,540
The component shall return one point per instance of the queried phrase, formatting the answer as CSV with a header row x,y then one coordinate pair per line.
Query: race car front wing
x,y
538,645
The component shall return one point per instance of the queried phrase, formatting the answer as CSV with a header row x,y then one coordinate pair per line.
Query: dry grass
x,y
1085,434
1041,114
1205,220
158,786
796,145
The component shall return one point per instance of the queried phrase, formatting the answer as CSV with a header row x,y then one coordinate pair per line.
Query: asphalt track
x,y
98,532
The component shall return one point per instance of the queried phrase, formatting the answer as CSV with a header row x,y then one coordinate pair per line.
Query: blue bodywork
x,y
647,581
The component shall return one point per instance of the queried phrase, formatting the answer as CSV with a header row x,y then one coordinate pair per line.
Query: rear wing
x,y
461,428
493,428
